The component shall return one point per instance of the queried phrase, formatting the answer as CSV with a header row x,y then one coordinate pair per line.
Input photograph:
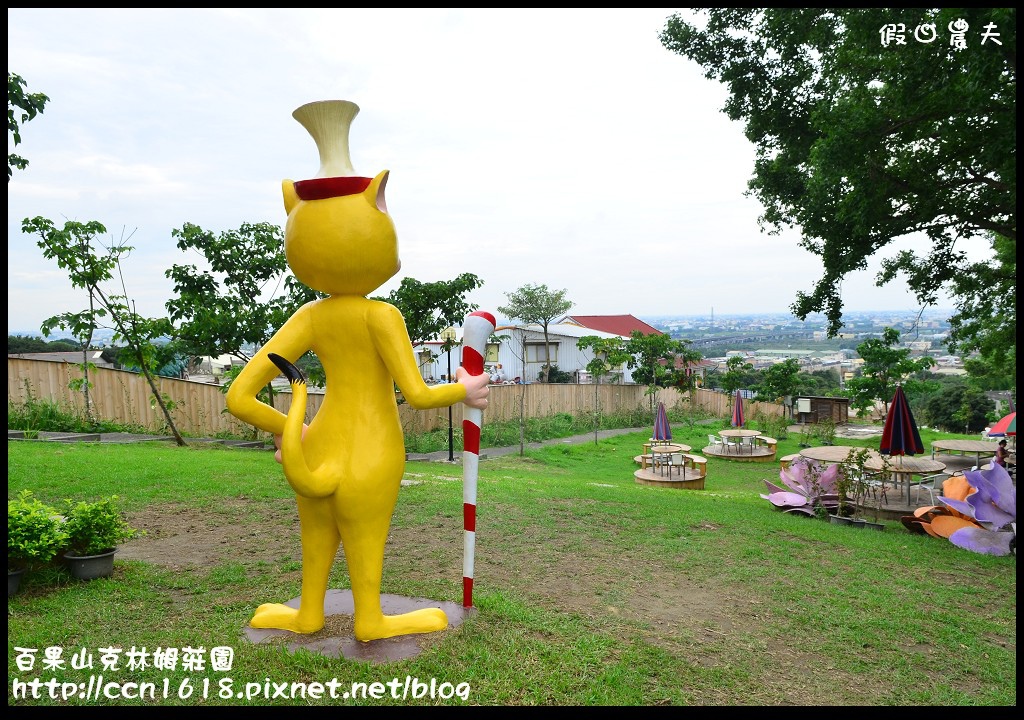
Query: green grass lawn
x,y
590,589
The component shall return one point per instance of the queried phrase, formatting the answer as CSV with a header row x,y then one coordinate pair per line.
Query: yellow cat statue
x,y
346,467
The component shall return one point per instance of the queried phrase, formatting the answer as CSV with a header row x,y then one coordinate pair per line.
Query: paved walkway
x,y
442,455
438,456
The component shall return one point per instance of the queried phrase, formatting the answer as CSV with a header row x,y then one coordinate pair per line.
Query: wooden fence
x,y
200,411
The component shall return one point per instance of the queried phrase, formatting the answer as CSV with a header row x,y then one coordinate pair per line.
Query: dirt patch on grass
x,y
625,592
240,530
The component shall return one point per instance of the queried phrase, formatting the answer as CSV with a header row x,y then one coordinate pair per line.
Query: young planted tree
x,y
885,366
429,308
778,382
736,375
609,354
540,305
232,305
658,361
72,247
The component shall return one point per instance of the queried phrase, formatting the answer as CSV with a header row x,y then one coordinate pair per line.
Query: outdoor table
x,y
905,467
648,458
659,448
835,453
737,433
966,446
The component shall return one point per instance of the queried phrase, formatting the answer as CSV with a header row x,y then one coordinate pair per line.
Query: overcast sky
x,y
563,147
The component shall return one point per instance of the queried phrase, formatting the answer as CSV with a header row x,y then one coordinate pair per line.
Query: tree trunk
x,y
89,414
522,419
160,401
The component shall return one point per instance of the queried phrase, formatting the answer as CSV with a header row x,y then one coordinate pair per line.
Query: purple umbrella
x,y
737,411
662,430
900,435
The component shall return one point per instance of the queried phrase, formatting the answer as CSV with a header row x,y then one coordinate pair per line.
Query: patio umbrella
x,y
900,435
737,411
1007,425
662,430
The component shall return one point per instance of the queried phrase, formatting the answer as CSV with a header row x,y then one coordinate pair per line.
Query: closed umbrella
x,y
737,411
662,435
662,430
900,435
1007,425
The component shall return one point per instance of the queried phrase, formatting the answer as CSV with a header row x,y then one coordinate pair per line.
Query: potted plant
x,y
35,534
805,436
826,429
874,524
859,483
94,529
844,483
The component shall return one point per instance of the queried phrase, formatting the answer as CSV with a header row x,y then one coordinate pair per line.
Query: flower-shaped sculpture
x,y
810,486
978,512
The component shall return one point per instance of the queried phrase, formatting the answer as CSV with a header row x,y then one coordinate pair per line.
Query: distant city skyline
x,y
105,334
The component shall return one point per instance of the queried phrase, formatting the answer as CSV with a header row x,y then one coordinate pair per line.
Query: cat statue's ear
x,y
374,193
291,198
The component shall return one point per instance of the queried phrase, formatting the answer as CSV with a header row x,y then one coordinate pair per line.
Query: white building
x,y
519,353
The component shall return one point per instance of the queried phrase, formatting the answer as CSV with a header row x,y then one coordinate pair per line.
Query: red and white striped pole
x,y
476,330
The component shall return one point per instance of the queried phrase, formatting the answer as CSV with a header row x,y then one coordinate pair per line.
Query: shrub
x,y
94,528
35,532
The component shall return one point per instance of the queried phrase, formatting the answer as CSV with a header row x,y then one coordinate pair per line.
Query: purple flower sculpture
x,y
809,485
993,504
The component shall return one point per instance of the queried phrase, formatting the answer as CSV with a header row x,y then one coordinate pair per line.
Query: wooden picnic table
x,y
659,448
738,434
904,467
834,453
977,447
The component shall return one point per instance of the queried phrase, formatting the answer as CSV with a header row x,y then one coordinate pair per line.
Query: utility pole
x,y
448,335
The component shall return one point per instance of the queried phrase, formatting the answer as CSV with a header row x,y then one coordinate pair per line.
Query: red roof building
x,y
623,325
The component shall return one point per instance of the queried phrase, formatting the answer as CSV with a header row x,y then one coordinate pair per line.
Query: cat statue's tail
x,y
303,481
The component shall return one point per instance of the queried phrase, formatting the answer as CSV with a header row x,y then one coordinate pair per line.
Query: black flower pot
x,y
90,567
13,581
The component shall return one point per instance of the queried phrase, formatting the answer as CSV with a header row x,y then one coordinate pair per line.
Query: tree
x,y
429,308
778,382
18,344
736,374
819,383
986,317
885,366
537,304
862,138
609,353
218,311
29,105
659,361
73,250
958,408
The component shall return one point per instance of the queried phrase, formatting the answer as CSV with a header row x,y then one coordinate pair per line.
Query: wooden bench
x,y
767,441
698,463
785,461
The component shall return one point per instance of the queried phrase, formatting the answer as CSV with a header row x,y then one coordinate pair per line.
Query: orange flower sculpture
x,y
979,512
941,521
